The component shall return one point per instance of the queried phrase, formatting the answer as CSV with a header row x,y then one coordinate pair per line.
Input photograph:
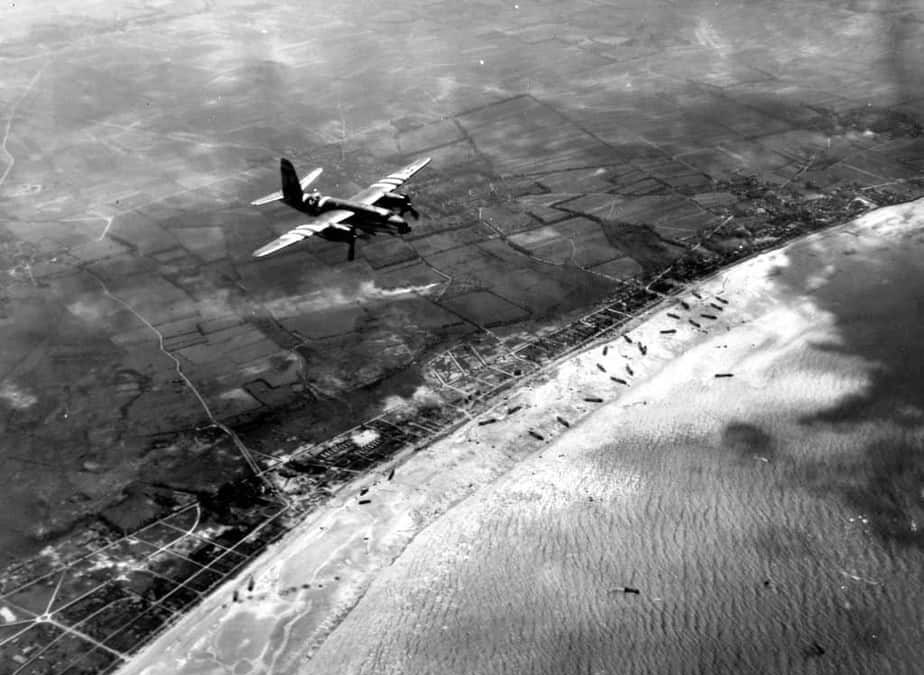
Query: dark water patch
x,y
776,543
891,494
878,310
866,629
748,441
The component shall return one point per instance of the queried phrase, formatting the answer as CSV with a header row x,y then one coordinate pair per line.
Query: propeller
x,y
408,207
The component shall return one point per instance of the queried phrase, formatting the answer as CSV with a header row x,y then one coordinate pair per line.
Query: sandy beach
x,y
757,481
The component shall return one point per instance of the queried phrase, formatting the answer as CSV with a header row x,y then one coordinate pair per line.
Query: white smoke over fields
x,y
338,297
90,310
16,397
365,437
423,396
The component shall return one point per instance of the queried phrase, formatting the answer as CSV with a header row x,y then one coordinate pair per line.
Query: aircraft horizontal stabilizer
x,y
279,195
310,178
274,197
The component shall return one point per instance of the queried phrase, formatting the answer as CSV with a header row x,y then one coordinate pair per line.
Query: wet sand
x,y
771,521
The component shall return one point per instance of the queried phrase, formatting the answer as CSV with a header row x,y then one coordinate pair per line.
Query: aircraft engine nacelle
x,y
399,203
399,223
395,198
358,207
379,211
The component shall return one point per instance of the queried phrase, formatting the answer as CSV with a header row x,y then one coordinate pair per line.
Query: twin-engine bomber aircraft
x,y
376,209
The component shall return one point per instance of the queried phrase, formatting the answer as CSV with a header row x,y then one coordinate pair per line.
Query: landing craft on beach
x,y
377,209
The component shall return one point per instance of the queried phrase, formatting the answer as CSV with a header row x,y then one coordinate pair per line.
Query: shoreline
x,y
707,499
421,491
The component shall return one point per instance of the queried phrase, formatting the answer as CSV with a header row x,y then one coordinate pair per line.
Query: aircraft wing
x,y
331,219
393,181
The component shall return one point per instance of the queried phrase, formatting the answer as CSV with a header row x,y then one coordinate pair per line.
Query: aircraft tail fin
x,y
291,187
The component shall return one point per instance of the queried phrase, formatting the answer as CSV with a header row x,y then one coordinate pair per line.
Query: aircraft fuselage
x,y
382,219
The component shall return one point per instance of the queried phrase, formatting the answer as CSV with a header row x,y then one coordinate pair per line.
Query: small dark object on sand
x,y
601,368
642,348
625,589
696,295
629,369
536,435
718,307
512,410
593,399
606,349
621,381
363,491
490,420
695,323
724,375
236,597
365,501
709,316
721,299
563,421
669,331
627,338
250,584
814,649
685,305
391,474
672,315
